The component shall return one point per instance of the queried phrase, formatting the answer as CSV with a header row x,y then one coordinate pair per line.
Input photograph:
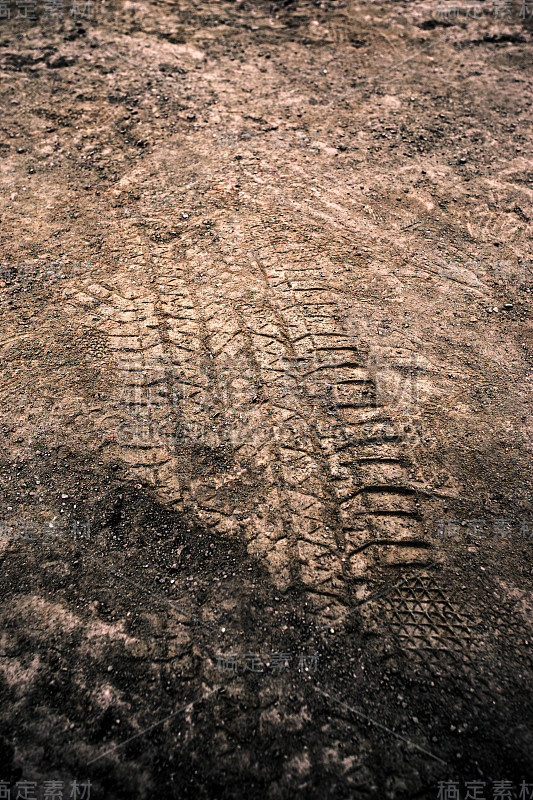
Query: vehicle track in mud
x,y
221,338
250,372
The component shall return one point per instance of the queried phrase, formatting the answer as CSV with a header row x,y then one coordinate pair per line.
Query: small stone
x,y
507,305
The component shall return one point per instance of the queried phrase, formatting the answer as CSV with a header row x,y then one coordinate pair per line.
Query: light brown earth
x,y
265,285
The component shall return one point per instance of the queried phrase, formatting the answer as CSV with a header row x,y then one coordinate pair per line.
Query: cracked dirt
x,y
265,285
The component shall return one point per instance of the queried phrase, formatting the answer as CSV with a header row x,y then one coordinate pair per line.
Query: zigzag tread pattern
x,y
240,350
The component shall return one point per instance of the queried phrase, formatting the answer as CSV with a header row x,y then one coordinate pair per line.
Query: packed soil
x,y
266,360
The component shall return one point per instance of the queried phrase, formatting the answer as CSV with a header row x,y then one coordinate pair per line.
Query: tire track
x,y
375,503
240,352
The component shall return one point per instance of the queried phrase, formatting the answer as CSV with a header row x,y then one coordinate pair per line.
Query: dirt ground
x,y
266,354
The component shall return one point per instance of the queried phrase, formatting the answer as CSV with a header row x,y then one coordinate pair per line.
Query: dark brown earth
x,y
266,356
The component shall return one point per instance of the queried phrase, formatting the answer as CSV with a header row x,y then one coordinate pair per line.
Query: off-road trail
x,y
266,374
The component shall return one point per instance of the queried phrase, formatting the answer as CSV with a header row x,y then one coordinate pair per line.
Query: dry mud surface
x,y
266,346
